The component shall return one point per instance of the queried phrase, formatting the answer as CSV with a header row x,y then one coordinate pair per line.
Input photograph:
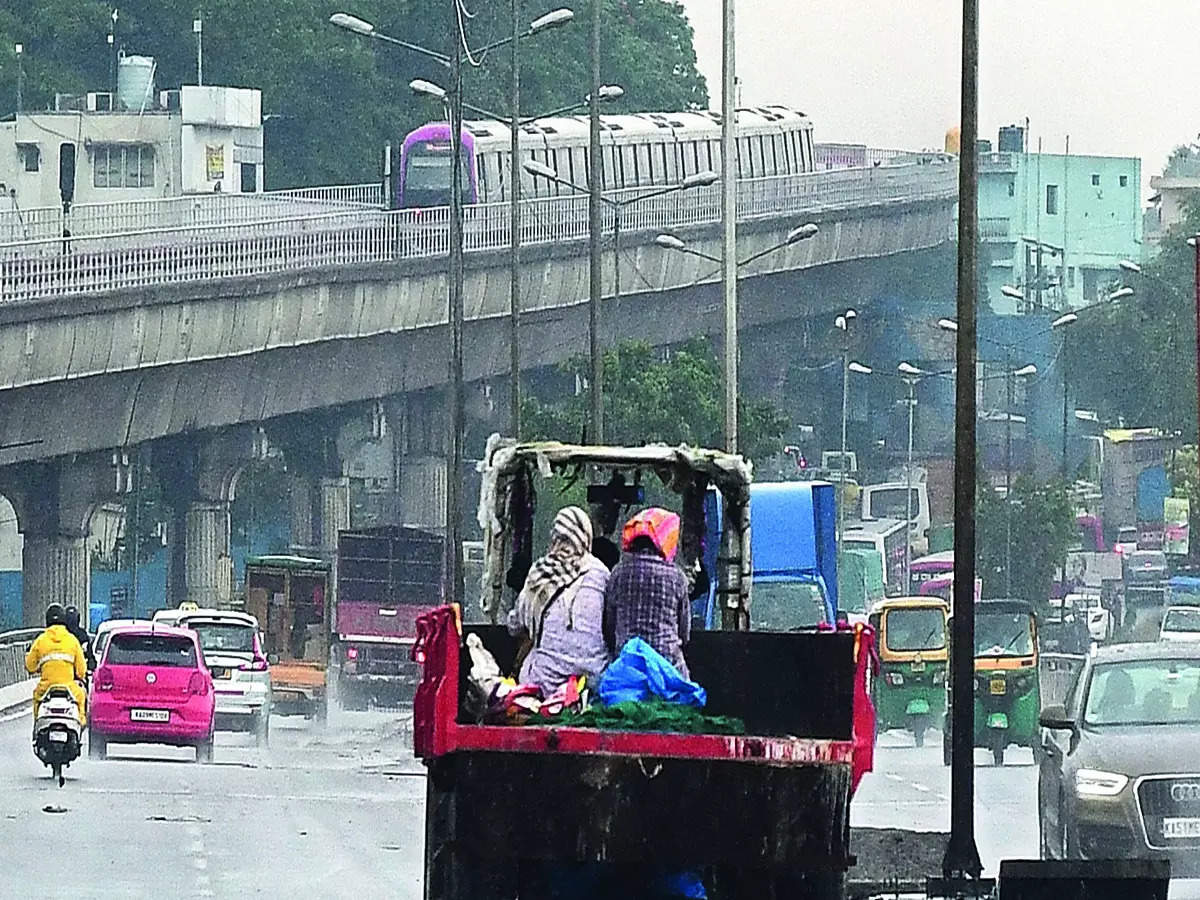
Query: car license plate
x,y
58,737
222,673
1181,828
149,715
997,686
918,667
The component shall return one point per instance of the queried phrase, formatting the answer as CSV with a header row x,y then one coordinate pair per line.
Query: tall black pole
x,y
454,485
1008,403
595,226
1063,355
514,249
962,856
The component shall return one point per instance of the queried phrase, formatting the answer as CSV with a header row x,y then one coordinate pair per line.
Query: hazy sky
x,y
1121,77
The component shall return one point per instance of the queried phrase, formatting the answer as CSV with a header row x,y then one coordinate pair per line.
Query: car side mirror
x,y
273,658
1056,718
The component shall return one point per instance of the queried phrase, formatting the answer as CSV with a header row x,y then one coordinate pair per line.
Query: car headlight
x,y
1094,783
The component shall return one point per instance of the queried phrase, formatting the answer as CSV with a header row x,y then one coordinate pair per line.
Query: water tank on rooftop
x,y
135,82
1012,139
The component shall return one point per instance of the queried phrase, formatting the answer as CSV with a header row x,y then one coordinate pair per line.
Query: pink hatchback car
x,y
152,687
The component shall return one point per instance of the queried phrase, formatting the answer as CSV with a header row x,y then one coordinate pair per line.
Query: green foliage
x,y
336,98
649,398
1135,361
1042,528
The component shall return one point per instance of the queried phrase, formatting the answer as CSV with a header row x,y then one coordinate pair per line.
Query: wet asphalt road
x,y
339,812
333,813
910,788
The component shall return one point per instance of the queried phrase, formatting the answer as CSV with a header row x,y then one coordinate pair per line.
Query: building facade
x,y
1054,228
194,140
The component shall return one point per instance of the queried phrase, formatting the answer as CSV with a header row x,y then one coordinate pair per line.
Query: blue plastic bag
x,y
642,673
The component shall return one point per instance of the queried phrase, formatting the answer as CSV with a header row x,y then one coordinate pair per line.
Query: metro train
x,y
637,150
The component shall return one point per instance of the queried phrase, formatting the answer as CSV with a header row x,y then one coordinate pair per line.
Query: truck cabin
x,y
287,594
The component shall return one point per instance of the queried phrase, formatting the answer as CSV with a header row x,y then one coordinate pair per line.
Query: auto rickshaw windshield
x,y
907,630
1003,634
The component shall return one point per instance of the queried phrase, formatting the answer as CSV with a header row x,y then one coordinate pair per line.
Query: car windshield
x,y
914,629
1182,620
232,636
151,650
1003,634
786,606
1147,692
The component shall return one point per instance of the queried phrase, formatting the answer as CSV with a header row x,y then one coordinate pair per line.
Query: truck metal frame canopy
x,y
678,467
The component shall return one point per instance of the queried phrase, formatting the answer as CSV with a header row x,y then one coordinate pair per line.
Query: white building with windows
x,y
193,140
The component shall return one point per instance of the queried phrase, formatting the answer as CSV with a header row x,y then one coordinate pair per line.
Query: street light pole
x,y
908,512
514,226
1008,401
843,322
595,226
729,220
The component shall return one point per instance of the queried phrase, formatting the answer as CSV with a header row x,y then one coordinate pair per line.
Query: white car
x,y
104,633
1180,623
1099,619
234,654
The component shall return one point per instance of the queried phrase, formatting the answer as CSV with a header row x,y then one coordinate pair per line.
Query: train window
x,y
714,155
697,165
570,173
757,155
778,163
667,168
809,149
629,169
634,166
610,170
648,162
742,165
552,161
619,174
481,177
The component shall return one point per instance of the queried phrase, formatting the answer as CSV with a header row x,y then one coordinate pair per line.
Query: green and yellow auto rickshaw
x,y
910,687
1007,692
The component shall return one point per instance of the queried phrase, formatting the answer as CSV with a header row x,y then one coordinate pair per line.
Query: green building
x,y
1054,227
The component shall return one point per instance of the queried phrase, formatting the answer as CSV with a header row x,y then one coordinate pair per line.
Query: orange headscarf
x,y
661,526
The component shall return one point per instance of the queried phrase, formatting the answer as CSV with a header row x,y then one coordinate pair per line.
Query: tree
x,y
1042,528
649,397
1135,361
335,99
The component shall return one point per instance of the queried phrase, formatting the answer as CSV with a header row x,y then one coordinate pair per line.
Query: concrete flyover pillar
x,y
208,566
199,476
54,501
334,513
56,568
300,514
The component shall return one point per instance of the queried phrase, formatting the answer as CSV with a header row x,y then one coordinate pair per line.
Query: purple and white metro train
x,y
637,150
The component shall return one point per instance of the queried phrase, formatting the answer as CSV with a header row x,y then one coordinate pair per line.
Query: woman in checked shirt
x,y
647,594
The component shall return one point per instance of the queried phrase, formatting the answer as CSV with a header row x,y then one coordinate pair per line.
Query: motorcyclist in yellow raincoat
x,y
58,658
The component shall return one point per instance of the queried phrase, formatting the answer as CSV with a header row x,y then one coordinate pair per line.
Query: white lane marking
x,y
297,798
920,787
893,776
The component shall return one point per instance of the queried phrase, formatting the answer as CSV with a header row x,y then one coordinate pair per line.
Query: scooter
x,y
57,731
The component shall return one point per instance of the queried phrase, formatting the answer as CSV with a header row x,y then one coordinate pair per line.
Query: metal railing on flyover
x,y
104,263
91,219
13,647
1056,673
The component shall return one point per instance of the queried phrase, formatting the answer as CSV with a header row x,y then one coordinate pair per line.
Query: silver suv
x,y
234,654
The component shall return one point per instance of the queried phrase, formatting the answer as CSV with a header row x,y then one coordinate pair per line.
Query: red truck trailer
x,y
386,578
762,815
